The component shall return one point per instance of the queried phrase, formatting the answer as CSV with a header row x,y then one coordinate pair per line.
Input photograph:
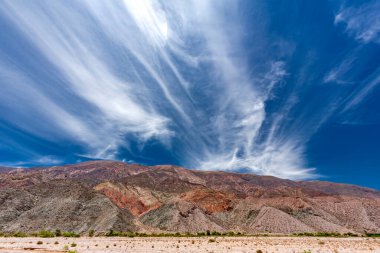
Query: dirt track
x,y
188,245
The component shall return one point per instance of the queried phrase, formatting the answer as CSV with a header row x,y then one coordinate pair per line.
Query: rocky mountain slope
x,y
104,195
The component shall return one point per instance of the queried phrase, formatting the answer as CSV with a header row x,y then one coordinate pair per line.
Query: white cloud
x,y
138,84
362,91
30,106
361,22
241,112
71,48
151,20
338,74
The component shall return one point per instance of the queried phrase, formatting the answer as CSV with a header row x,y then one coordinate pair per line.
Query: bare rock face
x,y
67,205
104,195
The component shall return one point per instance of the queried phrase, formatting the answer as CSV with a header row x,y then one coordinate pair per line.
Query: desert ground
x,y
188,245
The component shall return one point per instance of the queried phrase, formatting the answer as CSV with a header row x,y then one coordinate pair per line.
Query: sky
x,y
283,88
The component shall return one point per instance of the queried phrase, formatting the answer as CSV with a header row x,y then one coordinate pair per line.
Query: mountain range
x,y
105,195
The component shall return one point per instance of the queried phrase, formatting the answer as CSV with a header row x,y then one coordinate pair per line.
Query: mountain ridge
x,y
104,195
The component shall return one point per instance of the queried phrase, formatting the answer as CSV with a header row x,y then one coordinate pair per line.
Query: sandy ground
x,y
188,245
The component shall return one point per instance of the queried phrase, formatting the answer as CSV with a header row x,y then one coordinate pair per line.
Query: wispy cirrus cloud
x,y
128,63
72,49
361,22
119,77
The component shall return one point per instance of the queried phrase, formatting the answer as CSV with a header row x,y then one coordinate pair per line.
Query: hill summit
x,y
105,195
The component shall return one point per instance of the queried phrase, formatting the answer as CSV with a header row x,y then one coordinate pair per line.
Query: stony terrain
x,y
104,195
191,245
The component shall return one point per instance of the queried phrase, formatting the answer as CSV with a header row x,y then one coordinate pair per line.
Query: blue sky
x,y
285,88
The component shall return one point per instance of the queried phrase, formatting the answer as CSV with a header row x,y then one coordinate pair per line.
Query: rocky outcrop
x,y
104,195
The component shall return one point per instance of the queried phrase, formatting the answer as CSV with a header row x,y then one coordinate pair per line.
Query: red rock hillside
x,y
104,195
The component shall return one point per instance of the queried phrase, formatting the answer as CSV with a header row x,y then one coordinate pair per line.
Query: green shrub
x,y
73,245
372,235
58,232
46,234
130,234
112,233
19,234
91,233
70,234
127,234
320,234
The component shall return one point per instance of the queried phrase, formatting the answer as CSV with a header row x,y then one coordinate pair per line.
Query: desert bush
x,y
327,234
259,251
230,233
349,234
320,234
130,234
113,233
91,233
372,235
211,240
70,234
46,234
73,245
39,242
18,234
58,232
126,234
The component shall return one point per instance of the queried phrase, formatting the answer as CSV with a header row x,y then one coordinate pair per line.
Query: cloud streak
x,y
363,22
121,77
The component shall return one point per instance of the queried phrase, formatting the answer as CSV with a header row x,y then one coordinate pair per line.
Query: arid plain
x,y
188,244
